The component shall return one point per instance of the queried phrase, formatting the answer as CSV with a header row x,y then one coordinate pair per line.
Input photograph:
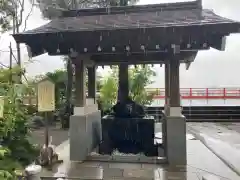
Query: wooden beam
x,y
140,58
122,41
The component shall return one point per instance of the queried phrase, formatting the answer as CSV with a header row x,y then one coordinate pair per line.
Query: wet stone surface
x,y
201,163
221,140
94,170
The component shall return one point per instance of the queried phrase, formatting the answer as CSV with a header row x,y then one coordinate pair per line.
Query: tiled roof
x,y
165,15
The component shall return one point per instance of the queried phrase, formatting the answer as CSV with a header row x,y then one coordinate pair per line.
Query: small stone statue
x,y
48,156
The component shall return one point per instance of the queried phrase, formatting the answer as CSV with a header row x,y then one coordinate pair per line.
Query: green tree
x,y
7,164
6,10
10,76
108,91
11,18
59,78
15,149
139,78
7,75
52,8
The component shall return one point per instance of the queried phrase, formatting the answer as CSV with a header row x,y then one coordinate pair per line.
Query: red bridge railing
x,y
201,93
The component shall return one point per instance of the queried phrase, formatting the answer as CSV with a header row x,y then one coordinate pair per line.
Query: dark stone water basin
x,y
128,135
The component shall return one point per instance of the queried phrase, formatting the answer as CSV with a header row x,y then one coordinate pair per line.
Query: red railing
x,y
201,93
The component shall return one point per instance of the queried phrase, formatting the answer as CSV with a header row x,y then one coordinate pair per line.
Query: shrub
x,y
16,151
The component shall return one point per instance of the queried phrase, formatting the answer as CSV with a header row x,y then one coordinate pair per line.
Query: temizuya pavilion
x,y
167,34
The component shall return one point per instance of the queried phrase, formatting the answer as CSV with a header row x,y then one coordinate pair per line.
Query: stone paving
x,y
58,135
228,133
232,126
201,163
221,140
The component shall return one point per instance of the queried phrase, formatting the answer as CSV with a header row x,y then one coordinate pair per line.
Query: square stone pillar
x,y
85,124
175,145
175,122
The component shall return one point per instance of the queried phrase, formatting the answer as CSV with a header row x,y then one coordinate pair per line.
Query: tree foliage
x,y
6,11
15,149
139,78
59,78
7,75
52,8
11,14
108,91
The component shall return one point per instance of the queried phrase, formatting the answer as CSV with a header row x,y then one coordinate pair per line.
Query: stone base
x,y
85,110
127,159
175,140
85,134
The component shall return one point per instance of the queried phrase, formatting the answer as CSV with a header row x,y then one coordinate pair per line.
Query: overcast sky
x,y
211,68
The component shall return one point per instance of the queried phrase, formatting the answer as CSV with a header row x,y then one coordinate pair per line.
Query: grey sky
x,y
211,68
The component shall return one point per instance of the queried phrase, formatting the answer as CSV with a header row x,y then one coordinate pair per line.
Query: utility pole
x,y
18,45
19,63
16,30
10,64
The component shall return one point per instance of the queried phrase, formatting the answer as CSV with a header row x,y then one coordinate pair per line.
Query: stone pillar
x,y
123,88
80,89
78,132
175,145
85,124
92,82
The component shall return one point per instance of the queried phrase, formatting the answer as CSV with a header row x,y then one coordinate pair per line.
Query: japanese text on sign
x,y
46,96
